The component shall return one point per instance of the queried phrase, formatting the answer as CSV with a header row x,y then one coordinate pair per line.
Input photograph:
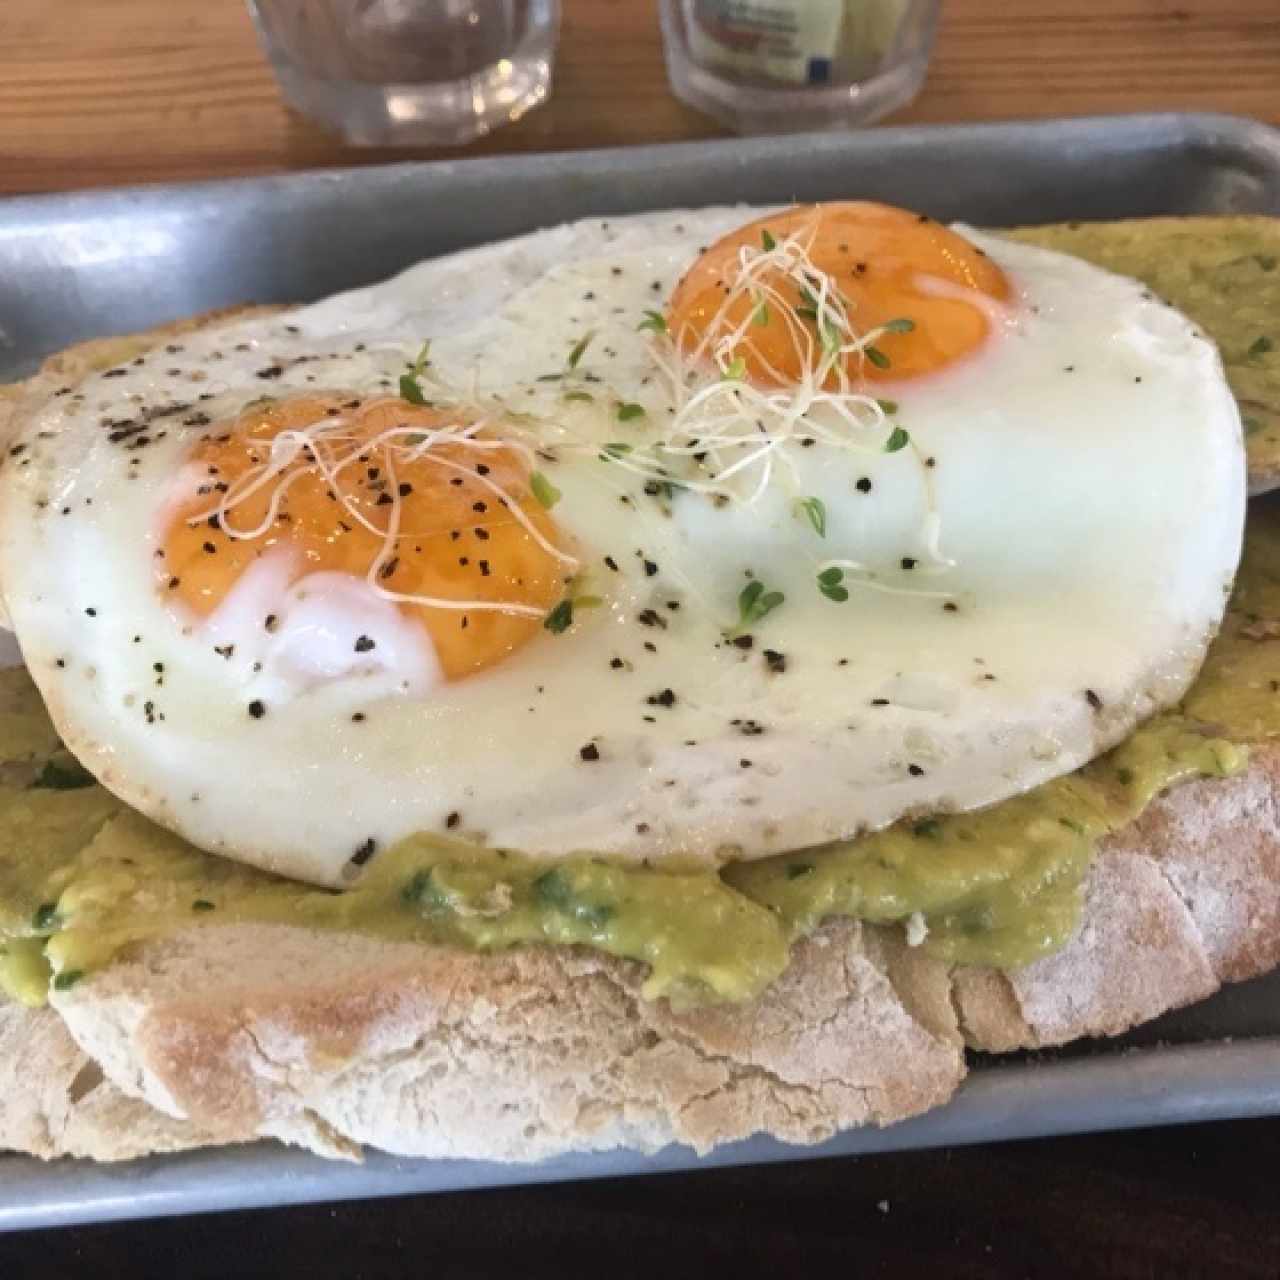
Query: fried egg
x,y
682,537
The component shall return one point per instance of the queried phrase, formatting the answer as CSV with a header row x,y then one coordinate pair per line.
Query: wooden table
x,y
97,92
135,90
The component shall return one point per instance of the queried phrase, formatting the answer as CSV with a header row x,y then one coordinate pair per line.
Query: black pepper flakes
x,y
364,644
257,708
452,820
611,563
775,661
909,563
863,485
663,698
651,618
915,771
742,642
589,753
1093,700
364,852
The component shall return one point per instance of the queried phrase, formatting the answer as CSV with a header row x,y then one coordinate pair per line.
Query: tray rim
x,y
1192,124
111,1192
1038,1100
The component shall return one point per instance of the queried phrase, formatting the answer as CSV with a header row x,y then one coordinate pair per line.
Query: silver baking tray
x,y
83,265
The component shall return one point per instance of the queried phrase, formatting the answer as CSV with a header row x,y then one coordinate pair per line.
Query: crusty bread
x,y
252,1030
223,1034
54,1099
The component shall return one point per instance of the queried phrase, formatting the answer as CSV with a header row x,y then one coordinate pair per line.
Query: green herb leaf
x,y
560,619
756,602
57,776
760,316
554,889
542,489
770,244
654,322
421,890
617,449
203,904
898,439
579,350
736,370
888,406
587,602
45,917
816,511
1260,346
67,979
629,411
876,356
900,325
584,396
410,390
829,583
549,377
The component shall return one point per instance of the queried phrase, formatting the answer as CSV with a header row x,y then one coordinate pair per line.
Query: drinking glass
x,y
781,66
410,71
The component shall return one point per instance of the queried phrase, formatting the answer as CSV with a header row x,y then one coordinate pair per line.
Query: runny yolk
x,y
459,539
888,264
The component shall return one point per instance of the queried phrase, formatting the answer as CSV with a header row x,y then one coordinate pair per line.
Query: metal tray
x,y
76,266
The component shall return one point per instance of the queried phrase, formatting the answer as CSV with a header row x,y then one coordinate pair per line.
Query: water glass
x,y
411,71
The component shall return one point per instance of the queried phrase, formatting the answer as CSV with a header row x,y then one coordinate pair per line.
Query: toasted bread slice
x,y
222,1034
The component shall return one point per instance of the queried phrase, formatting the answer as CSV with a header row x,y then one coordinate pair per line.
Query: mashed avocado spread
x,y
82,876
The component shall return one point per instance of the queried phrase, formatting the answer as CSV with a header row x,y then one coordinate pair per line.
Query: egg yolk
x,y
458,504
888,265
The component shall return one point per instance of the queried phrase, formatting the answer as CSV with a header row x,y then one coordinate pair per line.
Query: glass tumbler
x,y
781,66
410,71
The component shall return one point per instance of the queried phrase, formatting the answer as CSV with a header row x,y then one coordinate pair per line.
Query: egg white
x,y
1088,474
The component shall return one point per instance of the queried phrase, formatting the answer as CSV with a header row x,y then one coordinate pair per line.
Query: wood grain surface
x,y
97,92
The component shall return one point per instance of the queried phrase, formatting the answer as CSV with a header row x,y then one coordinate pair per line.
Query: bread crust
x,y
229,1033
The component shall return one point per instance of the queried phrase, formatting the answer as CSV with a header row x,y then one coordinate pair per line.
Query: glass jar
x,y
781,66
